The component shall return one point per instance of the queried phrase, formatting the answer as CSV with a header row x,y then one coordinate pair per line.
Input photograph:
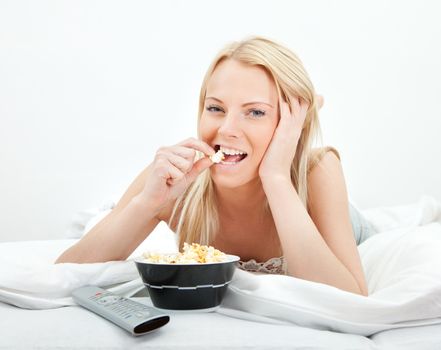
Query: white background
x,y
90,89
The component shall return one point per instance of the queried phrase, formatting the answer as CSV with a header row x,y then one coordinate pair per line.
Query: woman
x,y
272,200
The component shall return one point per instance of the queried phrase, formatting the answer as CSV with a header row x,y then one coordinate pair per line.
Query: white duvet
x,y
402,265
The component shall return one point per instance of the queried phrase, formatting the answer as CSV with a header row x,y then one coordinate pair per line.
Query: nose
x,y
230,126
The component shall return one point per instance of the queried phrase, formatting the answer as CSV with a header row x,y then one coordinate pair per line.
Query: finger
x,y
284,108
168,171
179,162
184,152
296,108
198,145
304,104
198,168
172,181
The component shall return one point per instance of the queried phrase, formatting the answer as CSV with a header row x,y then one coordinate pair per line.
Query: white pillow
x,y
162,239
84,220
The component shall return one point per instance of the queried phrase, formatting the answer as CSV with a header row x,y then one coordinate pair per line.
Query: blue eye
x,y
257,113
214,109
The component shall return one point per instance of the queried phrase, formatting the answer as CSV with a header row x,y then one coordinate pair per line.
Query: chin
x,y
230,182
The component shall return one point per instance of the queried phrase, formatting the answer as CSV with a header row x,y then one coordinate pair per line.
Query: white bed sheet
x,y
73,327
76,328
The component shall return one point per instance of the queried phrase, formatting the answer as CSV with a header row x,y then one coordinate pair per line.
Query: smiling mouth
x,y
230,159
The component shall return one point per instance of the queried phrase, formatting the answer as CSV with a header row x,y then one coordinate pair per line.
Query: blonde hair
x,y
195,213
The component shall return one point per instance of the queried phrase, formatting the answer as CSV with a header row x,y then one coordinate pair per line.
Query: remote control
x,y
130,315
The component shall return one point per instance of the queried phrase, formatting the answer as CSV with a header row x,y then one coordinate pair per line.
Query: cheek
x,y
264,139
205,128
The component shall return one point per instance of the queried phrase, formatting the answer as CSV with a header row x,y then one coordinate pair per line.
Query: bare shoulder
x,y
328,207
325,176
322,155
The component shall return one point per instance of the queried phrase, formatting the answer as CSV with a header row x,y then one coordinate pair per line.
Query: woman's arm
x,y
323,250
137,213
120,232
116,237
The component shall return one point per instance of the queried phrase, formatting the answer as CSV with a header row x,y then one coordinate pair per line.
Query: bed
x,y
75,328
403,311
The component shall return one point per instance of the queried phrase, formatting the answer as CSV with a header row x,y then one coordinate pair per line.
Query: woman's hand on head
x,y
173,169
276,162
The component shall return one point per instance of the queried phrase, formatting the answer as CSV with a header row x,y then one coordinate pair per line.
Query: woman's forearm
x,y
306,253
115,237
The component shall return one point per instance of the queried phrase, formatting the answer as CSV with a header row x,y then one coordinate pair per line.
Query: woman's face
x,y
240,114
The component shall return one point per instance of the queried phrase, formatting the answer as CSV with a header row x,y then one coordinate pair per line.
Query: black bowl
x,y
187,286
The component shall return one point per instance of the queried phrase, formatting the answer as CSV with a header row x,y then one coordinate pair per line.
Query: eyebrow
x,y
245,104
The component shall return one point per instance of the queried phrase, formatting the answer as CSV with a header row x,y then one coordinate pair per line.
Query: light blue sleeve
x,y
362,228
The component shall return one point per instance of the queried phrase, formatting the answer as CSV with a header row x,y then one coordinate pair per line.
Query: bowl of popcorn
x,y
195,279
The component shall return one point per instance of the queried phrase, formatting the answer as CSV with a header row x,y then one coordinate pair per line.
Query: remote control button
x,y
142,314
108,300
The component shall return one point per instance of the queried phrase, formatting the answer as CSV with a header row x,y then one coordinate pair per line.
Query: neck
x,y
246,198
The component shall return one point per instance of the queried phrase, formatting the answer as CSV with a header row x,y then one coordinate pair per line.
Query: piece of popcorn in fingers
x,y
217,157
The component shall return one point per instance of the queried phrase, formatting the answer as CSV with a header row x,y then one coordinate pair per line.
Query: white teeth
x,y
231,151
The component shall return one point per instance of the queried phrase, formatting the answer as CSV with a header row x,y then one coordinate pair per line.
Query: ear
x,y
320,101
